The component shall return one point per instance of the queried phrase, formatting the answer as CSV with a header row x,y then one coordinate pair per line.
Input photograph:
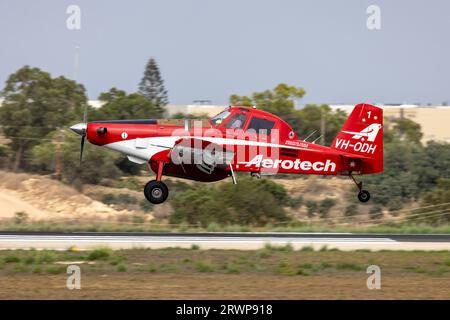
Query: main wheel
x,y
156,192
364,196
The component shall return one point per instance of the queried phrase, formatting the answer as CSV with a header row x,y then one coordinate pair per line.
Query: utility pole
x,y
322,126
76,63
58,162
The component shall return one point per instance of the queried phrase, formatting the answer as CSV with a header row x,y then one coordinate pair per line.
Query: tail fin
x,y
362,135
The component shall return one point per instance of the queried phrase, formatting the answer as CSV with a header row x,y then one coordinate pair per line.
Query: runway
x,y
239,241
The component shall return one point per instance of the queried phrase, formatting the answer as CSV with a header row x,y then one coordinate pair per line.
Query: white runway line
x,y
85,242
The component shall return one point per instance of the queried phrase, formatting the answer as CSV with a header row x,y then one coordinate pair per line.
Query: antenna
x,y
309,135
316,139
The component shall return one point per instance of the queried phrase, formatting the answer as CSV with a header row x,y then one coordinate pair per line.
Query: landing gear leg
x,y
363,195
256,175
233,177
156,191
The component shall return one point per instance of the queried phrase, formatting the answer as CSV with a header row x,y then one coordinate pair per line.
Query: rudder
x,y
362,135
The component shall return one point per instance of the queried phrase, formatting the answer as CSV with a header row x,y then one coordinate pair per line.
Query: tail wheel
x,y
364,196
156,192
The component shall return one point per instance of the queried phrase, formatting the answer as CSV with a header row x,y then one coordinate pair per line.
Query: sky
x,y
212,49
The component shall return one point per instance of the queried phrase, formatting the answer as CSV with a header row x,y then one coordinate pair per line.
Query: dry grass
x,y
224,274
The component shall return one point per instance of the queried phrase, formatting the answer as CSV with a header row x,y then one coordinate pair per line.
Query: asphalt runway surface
x,y
222,240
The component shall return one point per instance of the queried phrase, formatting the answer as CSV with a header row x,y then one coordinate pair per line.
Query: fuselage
x,y
273,150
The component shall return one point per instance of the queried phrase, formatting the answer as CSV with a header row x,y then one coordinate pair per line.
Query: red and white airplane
x,y
240,139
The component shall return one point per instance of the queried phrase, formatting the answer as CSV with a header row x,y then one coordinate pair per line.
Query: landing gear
x,y
156,192
363,195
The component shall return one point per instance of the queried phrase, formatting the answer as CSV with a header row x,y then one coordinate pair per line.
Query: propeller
x,y
81,129
82,147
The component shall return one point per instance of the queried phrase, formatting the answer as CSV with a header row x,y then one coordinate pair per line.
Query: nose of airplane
x,y
79,128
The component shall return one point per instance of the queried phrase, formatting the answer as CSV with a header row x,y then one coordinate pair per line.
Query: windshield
x,y
217,120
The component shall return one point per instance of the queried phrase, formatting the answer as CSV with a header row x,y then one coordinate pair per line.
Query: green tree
x,y
309,119
98,163
181,115
408,130
279,101
34,105
152,86
250,202
410,169
435,204
120,105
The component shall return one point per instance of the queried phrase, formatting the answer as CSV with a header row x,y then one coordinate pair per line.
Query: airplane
x,y
239,139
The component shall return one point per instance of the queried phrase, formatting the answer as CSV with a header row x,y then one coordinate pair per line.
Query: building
x,y
434,120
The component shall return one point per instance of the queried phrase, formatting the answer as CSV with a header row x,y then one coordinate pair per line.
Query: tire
x,y
363,196
156,192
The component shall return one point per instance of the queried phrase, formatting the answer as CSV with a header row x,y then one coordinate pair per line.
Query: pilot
x,y
237,124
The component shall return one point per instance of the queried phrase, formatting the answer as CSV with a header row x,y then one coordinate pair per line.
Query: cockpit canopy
x,y
218,119
252,120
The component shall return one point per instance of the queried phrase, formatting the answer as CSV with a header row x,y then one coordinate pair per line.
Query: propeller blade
x,y
82,147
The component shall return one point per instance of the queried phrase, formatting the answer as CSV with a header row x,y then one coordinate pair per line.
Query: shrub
x,y
307,249
11,259
232,268
128,167
263,253
37,270
250,202
29,260
312,207
115,260
286,248
168,267
151,268
46,257
325,206
137,218
349,266
20,217
285,268
302,272
204,266
108,198
125,198
295,202
146,206
325,265
56,270
375,212
121,268
213,227
99,254
19,268
351,209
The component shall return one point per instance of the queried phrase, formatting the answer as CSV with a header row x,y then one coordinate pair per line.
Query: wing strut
x,y
232,174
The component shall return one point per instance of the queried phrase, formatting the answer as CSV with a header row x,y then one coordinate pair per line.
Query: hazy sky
x,y
211,49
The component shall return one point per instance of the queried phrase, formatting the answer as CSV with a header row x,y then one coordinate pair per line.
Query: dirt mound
x,y
43,198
